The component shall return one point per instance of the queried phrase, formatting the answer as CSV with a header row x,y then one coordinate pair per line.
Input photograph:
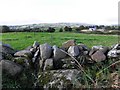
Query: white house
x,y
92,28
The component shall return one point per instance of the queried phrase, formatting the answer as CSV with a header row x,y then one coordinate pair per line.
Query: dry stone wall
x,y
46,58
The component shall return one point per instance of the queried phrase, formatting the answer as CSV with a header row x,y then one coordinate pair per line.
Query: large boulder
x,y
11,68
45,51
24,53
60,79
73,51
68,43
98,56
57,53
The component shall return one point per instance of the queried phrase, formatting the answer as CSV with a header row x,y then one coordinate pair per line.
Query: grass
x,y
21,40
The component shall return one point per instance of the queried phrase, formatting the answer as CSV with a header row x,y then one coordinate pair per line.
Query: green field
x,y
21,40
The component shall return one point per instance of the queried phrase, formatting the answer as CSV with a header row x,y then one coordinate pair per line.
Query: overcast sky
x,y
15,12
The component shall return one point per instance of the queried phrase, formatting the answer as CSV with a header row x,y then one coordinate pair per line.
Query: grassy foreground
x,y
21,40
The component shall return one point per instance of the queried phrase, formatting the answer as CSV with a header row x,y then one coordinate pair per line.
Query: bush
x,y
4,29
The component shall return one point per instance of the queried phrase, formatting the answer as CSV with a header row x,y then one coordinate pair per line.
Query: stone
x,y
6,56
36,55
116,46
35,44
24,53
33,50
92,51
11,68
45,51
98,56
41,63
1,56
73,51
113,53
97,47
104,49
60,79
7,50
57,53
68,43
48,64
83,47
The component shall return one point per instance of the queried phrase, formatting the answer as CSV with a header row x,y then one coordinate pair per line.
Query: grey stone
x,y
24,53
114,53
11,68
92,51
98,56
97,47
48,64
58,54
45,51
36,55
33,50
74,51
116,46
7,50
83,47
104,49
68,43
5,56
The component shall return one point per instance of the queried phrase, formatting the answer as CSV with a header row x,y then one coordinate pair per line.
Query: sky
x,y
17,12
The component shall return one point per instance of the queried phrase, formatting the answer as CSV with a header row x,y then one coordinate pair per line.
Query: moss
x,y
20,60
45,78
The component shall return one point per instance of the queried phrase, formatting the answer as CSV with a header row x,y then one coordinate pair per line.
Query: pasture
x,y
21,40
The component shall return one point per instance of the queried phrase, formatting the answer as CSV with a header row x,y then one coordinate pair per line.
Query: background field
x,y
21,40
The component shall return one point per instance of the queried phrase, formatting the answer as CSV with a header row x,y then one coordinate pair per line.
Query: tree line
x,y
5,28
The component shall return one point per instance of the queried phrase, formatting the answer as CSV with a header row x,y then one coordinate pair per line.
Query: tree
x,y
66,28
81,27
50,29
61,30
107,27
4,29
